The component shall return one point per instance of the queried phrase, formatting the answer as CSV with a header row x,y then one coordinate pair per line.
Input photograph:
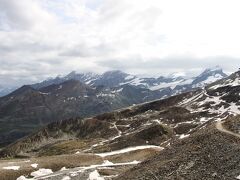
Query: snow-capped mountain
x,y
176,83
86,78
208,76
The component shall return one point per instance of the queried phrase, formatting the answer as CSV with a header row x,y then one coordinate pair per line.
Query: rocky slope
x,y
206,154
183,128
83,95
27,109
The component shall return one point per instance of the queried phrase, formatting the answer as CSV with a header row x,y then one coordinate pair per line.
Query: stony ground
x,y
207,154
76,166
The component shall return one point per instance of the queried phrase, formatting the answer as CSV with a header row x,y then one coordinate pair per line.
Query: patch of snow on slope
x,y
171,85
215,99
117,91
129,150
238,177
22,178
209,80
95,176
63,169
137,82
60,87
229,82
234,108
130,77
184,136
107,163
66,178
41,172
15,168
34,165
236,82
189,100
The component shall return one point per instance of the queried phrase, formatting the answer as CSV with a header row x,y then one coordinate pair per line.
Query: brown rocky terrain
x,y
206,154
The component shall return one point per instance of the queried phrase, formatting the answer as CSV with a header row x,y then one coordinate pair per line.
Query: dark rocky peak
x,y
68,88
22,91
71,75
83,77
48,82
114,73
235,75
111,78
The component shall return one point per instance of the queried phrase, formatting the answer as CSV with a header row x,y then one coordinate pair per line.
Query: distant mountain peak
x,y
71,74
216,69
208,76
114,72
177,75
22,90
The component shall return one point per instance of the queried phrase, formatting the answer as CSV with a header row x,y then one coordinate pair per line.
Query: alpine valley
x,y
192,130
31,107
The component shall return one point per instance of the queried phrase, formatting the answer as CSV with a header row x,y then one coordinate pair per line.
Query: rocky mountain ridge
x,y
82,95
176,82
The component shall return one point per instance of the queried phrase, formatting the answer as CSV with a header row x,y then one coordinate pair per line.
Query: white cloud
x,y
24,14
96,35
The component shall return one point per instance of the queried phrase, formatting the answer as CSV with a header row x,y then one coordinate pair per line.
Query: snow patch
x,y
73,174
34,165
107,163
184,136
22,178
171,85
129,77
63,169
60,87
95,176
66,178
15,168
41,172
129,149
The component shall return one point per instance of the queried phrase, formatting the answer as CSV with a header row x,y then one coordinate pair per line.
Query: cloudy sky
x,y
43,38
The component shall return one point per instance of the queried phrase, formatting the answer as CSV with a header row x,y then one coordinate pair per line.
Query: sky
x,y
44,38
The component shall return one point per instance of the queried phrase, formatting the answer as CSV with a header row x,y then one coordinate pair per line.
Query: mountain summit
x,y
209,76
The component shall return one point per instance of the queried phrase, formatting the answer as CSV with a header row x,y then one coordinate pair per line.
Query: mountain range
x,y
175,82
117,78
193,135
83,95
